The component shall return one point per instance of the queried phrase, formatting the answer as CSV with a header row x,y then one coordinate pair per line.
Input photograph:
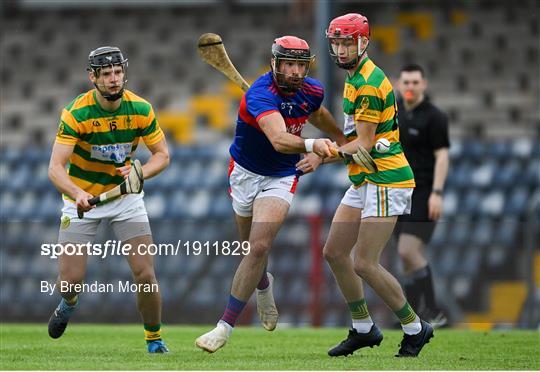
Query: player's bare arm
x,y
59,177
155,165
323,120
435,202
274,128
366,137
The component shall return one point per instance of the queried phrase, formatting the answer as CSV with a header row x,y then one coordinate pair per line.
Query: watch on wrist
x,y
437,192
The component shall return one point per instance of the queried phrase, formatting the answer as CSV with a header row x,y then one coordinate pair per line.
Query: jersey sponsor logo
x,y
117,152
295,128
364,104
304,106
348,126
96,123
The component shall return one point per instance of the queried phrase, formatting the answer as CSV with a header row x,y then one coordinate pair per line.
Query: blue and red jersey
x,y
251,148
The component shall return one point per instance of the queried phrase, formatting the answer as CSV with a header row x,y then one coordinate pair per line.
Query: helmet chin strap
x,y
354,62
111,97
283,77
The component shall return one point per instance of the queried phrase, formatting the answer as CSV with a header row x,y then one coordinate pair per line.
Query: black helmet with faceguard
x,y
290,48
107,56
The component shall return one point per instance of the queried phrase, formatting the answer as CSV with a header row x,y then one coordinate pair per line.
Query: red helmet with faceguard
x,y
352,26
290,49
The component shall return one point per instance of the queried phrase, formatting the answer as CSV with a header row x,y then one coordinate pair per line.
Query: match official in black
x,y
424,136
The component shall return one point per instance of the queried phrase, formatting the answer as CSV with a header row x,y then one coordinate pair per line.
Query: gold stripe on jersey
x,y
104,140
368,96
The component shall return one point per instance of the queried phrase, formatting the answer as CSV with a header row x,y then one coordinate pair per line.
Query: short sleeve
x,y
151,132
369,104
260,103
68,129
438,131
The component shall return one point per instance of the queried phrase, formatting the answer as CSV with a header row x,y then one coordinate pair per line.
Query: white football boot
x,y
266,306
215,339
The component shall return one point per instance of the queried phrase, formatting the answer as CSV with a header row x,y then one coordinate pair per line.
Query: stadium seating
x,y
490,197
476,241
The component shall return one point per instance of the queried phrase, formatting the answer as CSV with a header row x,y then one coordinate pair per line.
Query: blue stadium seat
x,y
483,232
532,172
474,150
507,173
221,206
482,175
516,201
156,205
460,232
177,205
492,203
470,203
462,174
522,148
451,203
498,150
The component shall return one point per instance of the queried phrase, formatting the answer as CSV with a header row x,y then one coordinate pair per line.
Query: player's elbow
x,y
166,159
279,147
280,144
52,171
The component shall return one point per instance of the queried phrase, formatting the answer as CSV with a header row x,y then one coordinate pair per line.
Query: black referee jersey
x,y
422,130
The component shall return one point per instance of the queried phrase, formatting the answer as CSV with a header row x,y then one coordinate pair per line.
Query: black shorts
x,y
417,223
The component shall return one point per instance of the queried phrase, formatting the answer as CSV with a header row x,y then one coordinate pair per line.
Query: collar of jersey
x,y
103,111
357,71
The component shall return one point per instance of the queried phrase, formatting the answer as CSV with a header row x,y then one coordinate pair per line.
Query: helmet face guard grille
x,y
301,56
108,57
332,49
346,28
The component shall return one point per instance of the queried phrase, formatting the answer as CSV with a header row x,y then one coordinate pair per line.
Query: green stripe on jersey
x,y
395,148
392,176
126,108
66,129
94,177
390,99
70,105
376,78
150,129
386,126
105,138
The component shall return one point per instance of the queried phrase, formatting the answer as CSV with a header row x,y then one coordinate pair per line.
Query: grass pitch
x,y
121,347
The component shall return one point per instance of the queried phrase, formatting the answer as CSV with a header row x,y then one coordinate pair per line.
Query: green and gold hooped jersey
x,y
368,96
104,140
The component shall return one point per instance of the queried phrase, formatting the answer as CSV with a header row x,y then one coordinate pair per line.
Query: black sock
x,y
413,293
424,283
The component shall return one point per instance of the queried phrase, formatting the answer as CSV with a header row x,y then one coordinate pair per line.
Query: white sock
x,y
227,325
413,327
362,325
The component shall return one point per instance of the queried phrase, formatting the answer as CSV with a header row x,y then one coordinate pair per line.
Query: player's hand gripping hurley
x,y
133,184
212,51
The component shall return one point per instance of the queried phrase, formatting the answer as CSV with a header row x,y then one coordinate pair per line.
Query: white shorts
x,y
379,201
246,186
126,215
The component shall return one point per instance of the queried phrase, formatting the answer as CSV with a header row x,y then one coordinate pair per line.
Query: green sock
x,y
358,309
406,314
152,332
73,300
